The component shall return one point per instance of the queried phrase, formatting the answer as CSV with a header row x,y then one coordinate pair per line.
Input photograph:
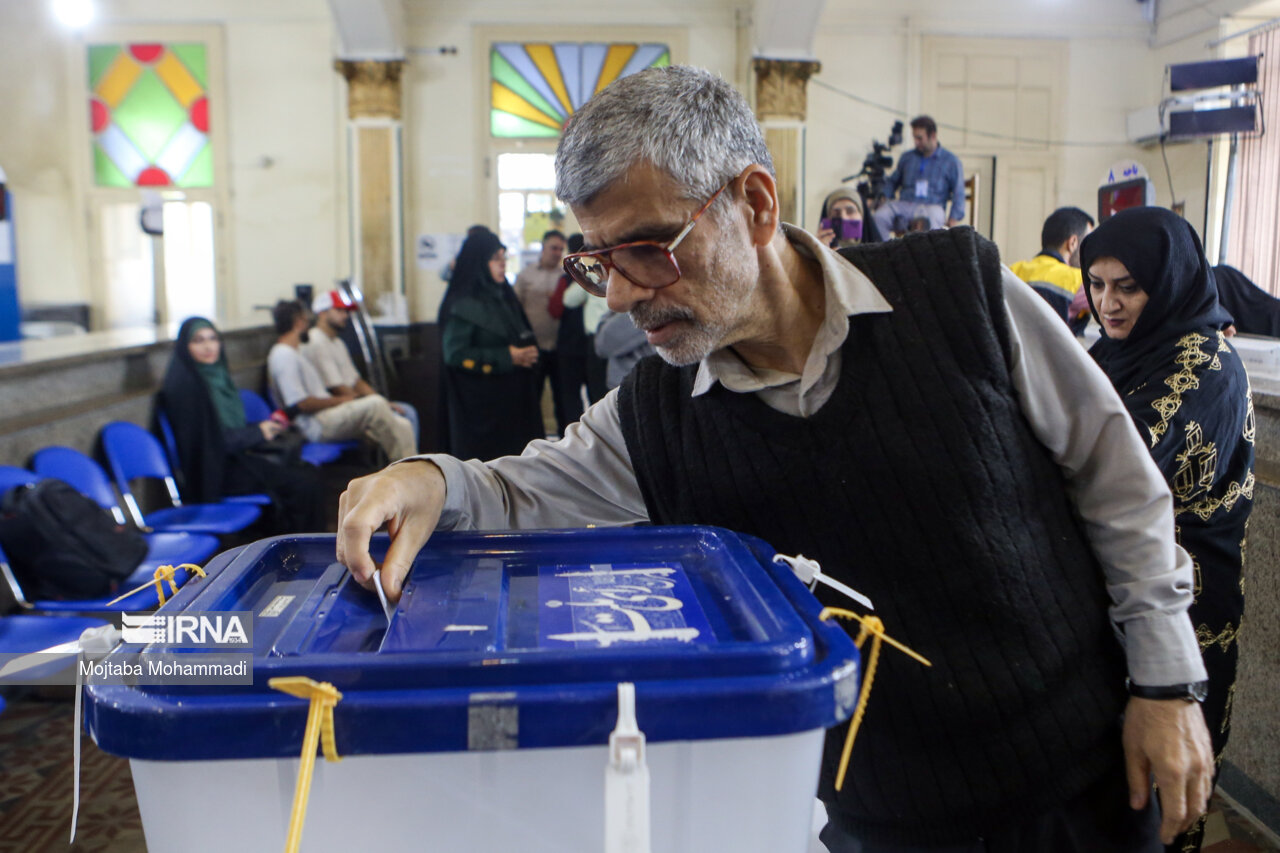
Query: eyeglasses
x,y
645,263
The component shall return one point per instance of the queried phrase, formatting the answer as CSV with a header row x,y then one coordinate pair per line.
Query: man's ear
x,y
760,192
1073,243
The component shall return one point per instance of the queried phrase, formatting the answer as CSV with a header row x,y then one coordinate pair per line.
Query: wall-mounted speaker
x,y
1190,123
1208,75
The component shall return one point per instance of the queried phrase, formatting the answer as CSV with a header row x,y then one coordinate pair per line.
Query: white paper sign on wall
x,y
435,251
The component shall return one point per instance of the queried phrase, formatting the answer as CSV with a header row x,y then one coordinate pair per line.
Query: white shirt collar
x,y
848,292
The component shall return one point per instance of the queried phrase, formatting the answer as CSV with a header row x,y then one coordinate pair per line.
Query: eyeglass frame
x,y
668,248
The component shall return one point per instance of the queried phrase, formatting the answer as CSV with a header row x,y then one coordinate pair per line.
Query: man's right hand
x,y
408,497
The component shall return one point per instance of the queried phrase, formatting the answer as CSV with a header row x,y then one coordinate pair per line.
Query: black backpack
x,y
63,546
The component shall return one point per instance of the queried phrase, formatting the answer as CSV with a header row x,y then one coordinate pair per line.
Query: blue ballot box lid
x,y
534,626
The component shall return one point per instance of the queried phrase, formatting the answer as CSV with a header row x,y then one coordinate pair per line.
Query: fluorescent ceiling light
x,y
73,14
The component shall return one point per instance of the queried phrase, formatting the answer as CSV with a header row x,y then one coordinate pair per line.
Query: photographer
x,y
928,177
841,219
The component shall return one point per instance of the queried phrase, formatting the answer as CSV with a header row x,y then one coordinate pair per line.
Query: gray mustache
x,y
647,317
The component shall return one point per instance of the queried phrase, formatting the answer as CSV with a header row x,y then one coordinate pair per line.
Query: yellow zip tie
x,y
162,574
323,696
871,626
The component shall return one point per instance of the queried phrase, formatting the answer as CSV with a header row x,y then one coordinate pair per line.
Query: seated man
x,y
928,177
1055,272
329,356
320,415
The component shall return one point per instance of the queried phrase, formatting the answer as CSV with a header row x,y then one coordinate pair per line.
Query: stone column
x,y
782,107
374,134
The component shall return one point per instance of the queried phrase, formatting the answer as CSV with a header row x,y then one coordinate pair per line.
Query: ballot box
x,y
477,716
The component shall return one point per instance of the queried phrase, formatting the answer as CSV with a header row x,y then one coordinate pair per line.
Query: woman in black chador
x,y
490,401
1150,288
219,451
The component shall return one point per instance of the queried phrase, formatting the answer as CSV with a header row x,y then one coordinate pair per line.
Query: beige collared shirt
x,y
848,292
586,478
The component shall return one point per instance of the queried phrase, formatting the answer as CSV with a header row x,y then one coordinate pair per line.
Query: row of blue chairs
x,y
257,409
180,533
315,452
176,534
163,548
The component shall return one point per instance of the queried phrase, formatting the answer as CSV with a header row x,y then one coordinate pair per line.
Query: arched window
x,y
535,87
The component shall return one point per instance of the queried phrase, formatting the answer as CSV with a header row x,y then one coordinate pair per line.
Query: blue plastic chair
x,y
11,475
171,450
255,408
23,634
134,453
168,550
313,452
144,599
87,477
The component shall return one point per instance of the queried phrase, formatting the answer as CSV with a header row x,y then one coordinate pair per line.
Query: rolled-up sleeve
x,y
1115,485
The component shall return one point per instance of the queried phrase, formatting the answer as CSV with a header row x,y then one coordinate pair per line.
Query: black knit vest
x,y
920,484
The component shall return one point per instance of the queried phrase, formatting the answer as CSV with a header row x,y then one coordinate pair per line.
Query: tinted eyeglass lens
x,y
589,272
647,266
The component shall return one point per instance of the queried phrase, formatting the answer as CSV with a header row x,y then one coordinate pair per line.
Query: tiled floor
x,y
1228,830
36,785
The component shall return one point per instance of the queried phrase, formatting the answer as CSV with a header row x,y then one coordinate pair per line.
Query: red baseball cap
x,y
332,299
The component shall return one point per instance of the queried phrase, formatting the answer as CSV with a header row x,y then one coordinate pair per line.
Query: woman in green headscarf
x,y
215,442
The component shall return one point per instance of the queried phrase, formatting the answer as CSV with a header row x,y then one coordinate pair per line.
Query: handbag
x,y
284,449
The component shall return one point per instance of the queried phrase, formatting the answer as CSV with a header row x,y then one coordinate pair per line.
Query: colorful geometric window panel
x,y
536,87
149,113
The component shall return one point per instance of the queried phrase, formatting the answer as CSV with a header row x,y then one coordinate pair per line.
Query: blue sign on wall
x,y
9,315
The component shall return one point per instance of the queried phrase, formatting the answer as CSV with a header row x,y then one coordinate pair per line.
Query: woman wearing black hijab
x,y
1256,312
215,442
1150,288
490,399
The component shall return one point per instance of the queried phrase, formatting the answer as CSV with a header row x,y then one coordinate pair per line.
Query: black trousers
x,y
573,376
297,493
597,369
1098,821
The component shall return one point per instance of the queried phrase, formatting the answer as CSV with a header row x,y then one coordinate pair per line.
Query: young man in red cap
x,y
330,357
320,415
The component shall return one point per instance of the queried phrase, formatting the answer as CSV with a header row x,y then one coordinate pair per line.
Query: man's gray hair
x,y
686,121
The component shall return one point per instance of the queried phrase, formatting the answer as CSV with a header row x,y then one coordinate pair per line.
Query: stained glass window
x,y
149,114
536,87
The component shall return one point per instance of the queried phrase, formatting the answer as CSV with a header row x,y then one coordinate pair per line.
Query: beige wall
x,y
36,152
287,106
285,219
283,223
1110,71
448,152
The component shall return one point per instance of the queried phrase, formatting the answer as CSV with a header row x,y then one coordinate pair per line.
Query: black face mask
x,y
306,336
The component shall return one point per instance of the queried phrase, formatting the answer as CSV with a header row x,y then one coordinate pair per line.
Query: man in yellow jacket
x,y
1055,272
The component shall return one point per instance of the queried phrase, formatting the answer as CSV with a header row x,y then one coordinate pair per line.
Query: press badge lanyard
x,y
922,178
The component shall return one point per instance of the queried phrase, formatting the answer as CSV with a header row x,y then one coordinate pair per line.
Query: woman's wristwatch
x,y
1196,691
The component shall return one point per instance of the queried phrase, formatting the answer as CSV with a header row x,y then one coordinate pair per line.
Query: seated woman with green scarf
x,y
220,453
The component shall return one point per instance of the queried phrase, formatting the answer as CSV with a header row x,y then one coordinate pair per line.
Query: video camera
x,y
876,164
